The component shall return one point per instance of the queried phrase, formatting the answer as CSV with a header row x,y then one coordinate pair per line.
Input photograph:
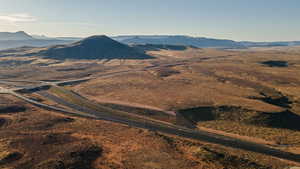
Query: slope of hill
x,y
95,47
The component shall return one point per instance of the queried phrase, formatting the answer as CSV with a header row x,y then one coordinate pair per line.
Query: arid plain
x,y
248,94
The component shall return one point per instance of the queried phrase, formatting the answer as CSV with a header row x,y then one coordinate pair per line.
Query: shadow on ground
x,y
285,119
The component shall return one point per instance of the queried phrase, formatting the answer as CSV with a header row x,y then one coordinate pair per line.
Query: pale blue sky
x,y
256,20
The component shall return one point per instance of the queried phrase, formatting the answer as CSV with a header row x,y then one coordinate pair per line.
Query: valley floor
x,y
233,93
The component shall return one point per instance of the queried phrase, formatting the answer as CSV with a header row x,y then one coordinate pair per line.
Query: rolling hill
x,y
95,47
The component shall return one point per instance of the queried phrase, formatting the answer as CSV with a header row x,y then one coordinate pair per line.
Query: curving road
x,y
157,126
181,131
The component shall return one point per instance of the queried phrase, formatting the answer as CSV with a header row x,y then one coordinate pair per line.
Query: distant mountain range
x,y
43,37
21,35
270,44
19,39
179,40
198,42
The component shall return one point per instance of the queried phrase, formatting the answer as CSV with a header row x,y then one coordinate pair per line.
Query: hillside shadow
x,y
276,63
198,114
12,109
2,122
274,98
210,113
285,119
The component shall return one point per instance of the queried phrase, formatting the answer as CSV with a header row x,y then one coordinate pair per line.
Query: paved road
x,y
183,132
162,127
51,108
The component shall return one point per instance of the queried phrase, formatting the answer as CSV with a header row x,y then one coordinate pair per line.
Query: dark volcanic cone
x,y
95,47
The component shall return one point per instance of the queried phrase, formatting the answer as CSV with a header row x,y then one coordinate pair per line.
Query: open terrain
x,y
250,95
232,91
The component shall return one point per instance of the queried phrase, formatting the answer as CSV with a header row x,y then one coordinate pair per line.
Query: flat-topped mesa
x,y
94,47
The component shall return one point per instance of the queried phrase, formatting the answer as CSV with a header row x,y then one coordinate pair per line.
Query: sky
x,y
252,20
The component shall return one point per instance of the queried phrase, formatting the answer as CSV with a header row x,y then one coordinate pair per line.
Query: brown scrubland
x,y
246,94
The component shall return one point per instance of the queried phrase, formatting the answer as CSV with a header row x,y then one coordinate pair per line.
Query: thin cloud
x,y
72,23
16,18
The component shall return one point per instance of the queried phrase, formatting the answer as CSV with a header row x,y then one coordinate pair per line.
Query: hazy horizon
x,y
237,20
